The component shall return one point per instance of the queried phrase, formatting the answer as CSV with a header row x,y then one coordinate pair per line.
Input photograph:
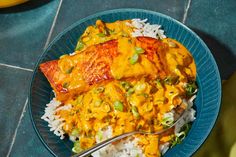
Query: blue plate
x,y
208,98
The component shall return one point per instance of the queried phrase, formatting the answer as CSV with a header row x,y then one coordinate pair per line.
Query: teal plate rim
x,y
119,11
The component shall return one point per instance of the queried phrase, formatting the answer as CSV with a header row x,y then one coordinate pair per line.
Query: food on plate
x,y
123,76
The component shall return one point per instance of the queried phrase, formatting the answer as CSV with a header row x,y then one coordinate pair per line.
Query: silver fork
x,y
119,137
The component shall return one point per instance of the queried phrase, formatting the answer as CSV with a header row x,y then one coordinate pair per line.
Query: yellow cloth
x,y
222,140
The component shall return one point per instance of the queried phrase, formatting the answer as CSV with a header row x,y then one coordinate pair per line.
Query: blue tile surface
x,y
73,10
27,143
24,32
215,22
13,94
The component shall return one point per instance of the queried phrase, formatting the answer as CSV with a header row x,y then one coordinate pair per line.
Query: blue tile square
x,y
215,22
27,143
24,30
13,93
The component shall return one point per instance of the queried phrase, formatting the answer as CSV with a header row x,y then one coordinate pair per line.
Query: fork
x,y
119,137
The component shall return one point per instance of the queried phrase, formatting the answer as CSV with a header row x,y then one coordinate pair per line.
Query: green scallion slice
x,y
80,46
134,58
118,106
101,34
139,50
135,111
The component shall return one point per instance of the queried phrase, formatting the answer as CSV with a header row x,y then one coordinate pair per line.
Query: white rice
x,y
124,148
55,123
127,147
189,115
143,28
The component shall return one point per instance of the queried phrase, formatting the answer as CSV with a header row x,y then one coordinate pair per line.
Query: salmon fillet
x,y
93,66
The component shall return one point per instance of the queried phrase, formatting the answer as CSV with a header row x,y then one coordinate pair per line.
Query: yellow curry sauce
x,y
127,104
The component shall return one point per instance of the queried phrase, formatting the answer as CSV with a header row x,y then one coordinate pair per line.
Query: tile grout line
x,y
31,70
53,25
186,11
17,127
46,44
16,67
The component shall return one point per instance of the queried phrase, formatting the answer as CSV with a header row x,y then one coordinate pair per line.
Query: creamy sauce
x,y
122,68
145,99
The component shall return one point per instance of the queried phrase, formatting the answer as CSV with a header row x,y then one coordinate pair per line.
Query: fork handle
x,y
103,144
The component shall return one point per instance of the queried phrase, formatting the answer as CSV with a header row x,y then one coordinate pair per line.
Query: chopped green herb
x,y
125,85
111,31
101,34
75,132
80,46
181,135
135,111
139,126
167,120
190,89
139,50
158,83
130,91
145,95
69,70
134,59
100,135
98,103
77,147
185,128
171,80
118,106
65,85
176,139
99,90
